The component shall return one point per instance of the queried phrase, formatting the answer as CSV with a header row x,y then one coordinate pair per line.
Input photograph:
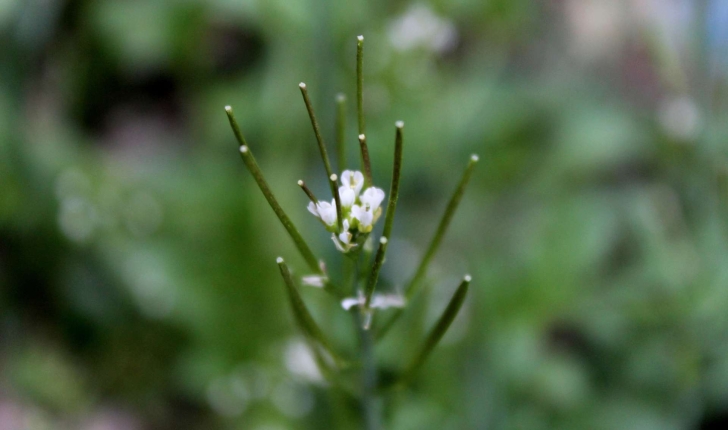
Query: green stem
x,y
308,191
341,130
370,401
321,145
371,411
302,315
441,228
394,187
374,274
416,280
389,219
252,165
438,331
360,82
337,199
365,161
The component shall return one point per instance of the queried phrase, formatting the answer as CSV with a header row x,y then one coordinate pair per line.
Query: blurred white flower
x,y
680,118
379,301
317,281
420,27
300,361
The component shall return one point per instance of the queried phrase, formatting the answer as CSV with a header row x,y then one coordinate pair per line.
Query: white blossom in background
x,y
597,28
300,361
600,29
680,118
420,27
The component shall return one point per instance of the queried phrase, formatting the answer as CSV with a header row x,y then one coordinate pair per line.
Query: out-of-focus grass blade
x,y
417,280
301,314
252,165
434,337
452,205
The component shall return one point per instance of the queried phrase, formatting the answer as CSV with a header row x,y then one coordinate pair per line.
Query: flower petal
x,y
347,196
364,217
350,302
353,179
312,208
384,301
327,212
317,281
372,197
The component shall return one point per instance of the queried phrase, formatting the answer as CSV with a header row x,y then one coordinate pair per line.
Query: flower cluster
x,y
359,210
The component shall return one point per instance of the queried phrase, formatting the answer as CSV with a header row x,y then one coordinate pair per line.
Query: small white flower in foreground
x,y
343,241
353,179
372,198
360,211
325,211
347,196
364,218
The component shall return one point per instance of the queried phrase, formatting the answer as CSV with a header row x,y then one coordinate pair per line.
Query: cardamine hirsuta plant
x,y
349,216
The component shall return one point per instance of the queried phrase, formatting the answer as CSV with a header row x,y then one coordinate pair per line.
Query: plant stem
x,y
322,147
337,199
441,228
365,161
394,188
308,192
341,131
252,165
370,408
417,279
374,274
370,402
360,82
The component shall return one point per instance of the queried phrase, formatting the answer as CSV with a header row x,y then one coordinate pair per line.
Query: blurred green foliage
x,y
138,288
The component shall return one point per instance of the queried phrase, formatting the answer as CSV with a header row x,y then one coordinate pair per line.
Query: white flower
x,y
312,208
347,196
379,301
343,241
325,211
317,281
372,198
384,301
364,216
353,180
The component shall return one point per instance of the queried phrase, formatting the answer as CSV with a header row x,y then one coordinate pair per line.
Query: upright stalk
x,y
370,405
